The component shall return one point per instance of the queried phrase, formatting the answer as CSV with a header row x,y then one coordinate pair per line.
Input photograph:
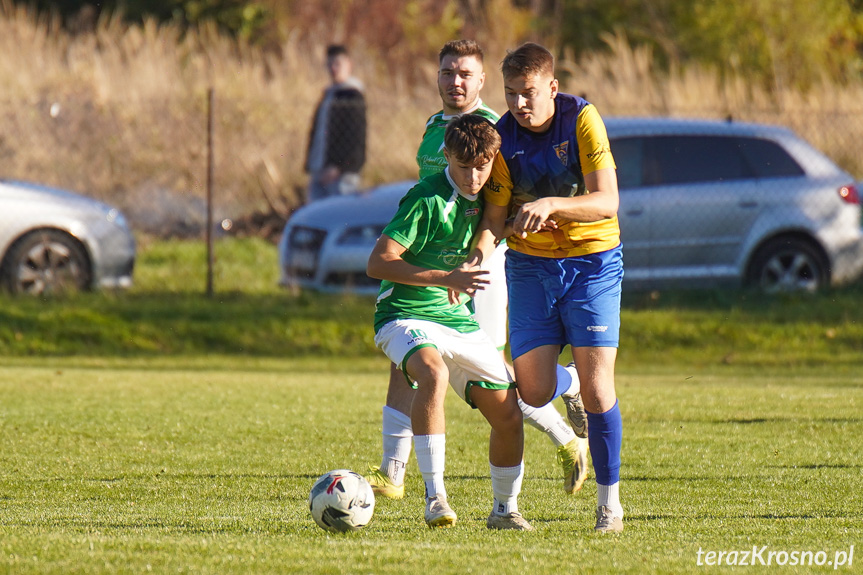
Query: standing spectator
x,y
337,142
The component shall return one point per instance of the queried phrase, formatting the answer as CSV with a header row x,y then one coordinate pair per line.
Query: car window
x,y
690,159
768,159
627,154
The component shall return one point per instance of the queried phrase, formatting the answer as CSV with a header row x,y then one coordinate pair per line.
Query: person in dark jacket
x,y
337,141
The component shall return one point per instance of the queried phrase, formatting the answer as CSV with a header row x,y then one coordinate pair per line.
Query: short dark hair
x,y
529,59
334,50
471,139
460,48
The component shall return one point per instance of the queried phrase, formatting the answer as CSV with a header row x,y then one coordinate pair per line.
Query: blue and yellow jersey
x,y
532,166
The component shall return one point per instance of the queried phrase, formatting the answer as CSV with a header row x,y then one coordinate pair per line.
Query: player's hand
x,y
454,296
466,279
534,217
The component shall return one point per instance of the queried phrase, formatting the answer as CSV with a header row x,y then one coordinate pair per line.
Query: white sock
x,y
397,435
506,485
609,495
431,450
548,420
567,380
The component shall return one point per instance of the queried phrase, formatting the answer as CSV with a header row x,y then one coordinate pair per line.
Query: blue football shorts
x,y
574,300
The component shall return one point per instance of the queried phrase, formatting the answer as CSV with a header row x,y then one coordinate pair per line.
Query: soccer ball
x,y
342,500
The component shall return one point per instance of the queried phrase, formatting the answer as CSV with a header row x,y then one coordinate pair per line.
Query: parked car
x,y
326,244
54,240
702,203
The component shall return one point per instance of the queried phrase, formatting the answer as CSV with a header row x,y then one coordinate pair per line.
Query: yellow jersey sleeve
x,y
498,188
594,150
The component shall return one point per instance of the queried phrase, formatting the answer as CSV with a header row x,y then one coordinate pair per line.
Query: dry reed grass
x,y
120,112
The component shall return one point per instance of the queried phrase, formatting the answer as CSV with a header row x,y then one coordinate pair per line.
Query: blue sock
x,y
564,381
605,435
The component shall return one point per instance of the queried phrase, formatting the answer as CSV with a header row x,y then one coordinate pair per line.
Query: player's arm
x,y
490,232
493,227
386,263
601,202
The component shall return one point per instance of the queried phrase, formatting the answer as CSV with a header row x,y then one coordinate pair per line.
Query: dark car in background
x,y
54,240
702,204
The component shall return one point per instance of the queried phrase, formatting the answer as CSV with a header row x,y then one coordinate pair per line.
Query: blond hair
x,y
529,59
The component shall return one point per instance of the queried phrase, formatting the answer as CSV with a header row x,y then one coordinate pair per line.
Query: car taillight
x,y
850,194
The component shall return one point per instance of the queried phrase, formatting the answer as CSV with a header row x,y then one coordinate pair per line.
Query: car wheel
x,y
46,261
785,265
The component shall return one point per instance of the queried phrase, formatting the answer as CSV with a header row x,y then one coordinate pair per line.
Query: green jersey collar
x,y
455,188
449,117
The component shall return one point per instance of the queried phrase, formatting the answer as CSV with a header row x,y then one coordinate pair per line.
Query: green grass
x,y
167,313
161,430
189,468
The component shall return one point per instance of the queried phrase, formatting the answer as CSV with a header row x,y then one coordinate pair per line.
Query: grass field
x,y
185,468
162,431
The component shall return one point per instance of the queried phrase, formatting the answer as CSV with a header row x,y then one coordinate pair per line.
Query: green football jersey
x,y
430,158
435,223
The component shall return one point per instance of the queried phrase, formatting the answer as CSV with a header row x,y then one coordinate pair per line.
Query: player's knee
x,y
512,422
432,375
507,418
535,397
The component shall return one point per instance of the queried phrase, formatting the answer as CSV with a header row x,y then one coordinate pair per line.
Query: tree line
x,y
784,43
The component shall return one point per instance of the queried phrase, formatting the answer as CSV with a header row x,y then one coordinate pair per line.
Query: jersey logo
x,y
598,153
453,257
561,151
471,212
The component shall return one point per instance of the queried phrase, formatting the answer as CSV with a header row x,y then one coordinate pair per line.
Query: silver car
x,y
326,245
702,203
53,241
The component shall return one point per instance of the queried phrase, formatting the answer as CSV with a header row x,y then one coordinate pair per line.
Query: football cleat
x,y
383,485
573,459
576,414
512,520
439,513
606,521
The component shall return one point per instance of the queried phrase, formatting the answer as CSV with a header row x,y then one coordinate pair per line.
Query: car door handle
x,y
634,212
748,204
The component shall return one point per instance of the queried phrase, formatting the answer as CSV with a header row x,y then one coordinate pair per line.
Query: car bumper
x,y
847,263
323,266
112,253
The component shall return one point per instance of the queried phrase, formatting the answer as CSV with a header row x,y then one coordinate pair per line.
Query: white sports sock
x,y
567,380
609,495
431,452
506,485
397,435
548,420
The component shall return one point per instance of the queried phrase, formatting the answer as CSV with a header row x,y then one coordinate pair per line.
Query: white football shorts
x,y
490,303
471,358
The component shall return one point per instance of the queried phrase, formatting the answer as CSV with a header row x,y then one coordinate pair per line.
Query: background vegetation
x,y
113,104
165,315
781,41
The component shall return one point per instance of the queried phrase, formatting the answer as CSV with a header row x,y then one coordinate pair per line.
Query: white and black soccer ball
x,y
342,500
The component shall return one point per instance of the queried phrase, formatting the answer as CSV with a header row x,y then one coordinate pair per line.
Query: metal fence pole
x,y
210,168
